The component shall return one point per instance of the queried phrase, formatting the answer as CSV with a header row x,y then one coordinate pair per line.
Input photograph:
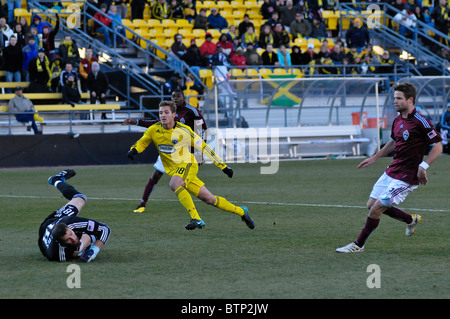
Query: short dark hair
x,y
59,231
408,89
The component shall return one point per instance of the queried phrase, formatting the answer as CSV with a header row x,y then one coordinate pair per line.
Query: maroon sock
x,y
398,214
147,191
369,227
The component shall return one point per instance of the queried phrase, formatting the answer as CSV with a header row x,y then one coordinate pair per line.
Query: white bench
x,y
289,142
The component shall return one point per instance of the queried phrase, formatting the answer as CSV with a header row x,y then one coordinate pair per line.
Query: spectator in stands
x,y
160,10
122,8
265,37
173,84
208,47
176,10
3,41
24,23
190,11
70,92
40,74
86,67
219,58
13,61
216,21
34,33
48,39
137,9
300,28
251,55
103,22
323,50
288,13
353,55
440,16
116,25
243,26
309,55
296,55
226,44
20,35
178,48
327,65
13,4
367,66
68,51
407,23
318,29
269,57
5,29
231,33
98,84
281,36
284,56
387,68
38,24
239,59
267,8
317,6
21,104
338,54
195,60
68,69
56,69
201,21
30,51
357,35
273,20
249,37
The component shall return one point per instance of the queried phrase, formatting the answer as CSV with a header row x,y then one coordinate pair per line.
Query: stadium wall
x,y
65,150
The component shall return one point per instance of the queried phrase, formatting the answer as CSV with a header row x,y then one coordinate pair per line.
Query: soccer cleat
x,y
411,228
139,209
350,248
195,223
62,176
246,218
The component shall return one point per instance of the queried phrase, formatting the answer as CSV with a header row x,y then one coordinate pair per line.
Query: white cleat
x,y
411,228
350,248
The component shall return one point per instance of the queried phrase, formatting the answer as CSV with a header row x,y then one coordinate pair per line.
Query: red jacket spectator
x,y
208,46
238,59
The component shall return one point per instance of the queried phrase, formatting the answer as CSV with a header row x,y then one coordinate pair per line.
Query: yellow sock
x,y
223,204
186,200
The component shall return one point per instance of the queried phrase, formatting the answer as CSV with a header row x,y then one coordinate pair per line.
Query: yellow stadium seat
x,y
168,23
206,75
209,4
331,19
22,13
184,24
263,71
215,33
155,34
237,73
199,34
155,24
280,71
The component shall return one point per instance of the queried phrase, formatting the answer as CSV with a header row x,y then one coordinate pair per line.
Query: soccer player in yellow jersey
x,y
174,141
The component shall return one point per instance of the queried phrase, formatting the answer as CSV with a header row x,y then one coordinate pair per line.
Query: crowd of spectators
x,y
30,53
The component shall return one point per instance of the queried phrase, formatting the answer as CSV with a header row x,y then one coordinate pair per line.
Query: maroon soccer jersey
x,y
412,136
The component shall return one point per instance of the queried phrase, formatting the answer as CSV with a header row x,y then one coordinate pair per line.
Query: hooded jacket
x,y
97,81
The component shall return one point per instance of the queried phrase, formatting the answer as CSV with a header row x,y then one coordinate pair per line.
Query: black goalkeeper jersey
x,y
55,251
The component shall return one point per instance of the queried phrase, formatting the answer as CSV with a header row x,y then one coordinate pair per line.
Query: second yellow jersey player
x,y
174,142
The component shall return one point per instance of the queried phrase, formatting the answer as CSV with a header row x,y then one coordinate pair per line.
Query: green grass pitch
x,y
302,214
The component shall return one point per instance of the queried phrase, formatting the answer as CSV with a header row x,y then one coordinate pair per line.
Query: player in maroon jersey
x,y
186,114
412,135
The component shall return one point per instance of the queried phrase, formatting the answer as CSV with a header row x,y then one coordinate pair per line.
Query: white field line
x,y
246,202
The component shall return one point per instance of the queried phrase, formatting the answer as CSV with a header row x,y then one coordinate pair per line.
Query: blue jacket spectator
x,y
216,21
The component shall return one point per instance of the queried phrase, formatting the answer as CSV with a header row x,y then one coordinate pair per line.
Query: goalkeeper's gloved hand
x,y
89,254
131,153
228,171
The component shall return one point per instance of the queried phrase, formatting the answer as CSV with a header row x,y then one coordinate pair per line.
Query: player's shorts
x,y
391,191
188,172
159,165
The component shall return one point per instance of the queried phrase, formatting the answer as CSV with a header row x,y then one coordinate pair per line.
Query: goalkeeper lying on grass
x,y
63,235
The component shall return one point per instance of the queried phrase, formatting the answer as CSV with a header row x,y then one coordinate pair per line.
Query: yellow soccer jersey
x,y
174,146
